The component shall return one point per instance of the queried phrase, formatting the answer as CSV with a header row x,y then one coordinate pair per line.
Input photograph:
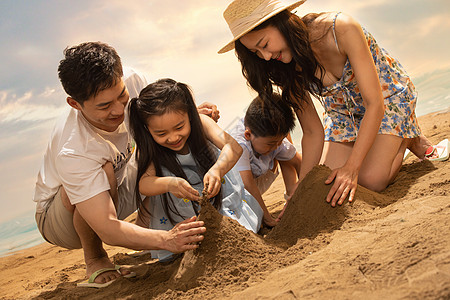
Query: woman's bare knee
x,y
374,182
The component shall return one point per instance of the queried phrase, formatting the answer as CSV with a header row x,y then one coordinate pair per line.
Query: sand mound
x,y
223,255
231,257
391,245
308,214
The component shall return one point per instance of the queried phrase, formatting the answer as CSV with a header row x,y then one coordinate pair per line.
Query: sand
x,y
393,245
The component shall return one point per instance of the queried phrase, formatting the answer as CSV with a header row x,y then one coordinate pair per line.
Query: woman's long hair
x,y
295,79
158,98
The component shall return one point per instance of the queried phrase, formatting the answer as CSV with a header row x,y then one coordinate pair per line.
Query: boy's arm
x,y
252,188
289,177
290,170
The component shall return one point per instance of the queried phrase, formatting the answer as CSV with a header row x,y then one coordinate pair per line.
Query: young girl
x,y
368,97
177,156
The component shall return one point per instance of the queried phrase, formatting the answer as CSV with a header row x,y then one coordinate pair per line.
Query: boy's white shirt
x,y
77,151
261,164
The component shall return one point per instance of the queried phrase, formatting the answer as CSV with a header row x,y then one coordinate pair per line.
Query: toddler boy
x,y
262,135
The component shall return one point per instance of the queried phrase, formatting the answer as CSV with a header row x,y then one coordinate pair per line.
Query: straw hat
x,y
244,15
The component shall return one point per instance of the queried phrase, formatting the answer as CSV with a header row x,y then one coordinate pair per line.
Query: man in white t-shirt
x,y
85,187
262,135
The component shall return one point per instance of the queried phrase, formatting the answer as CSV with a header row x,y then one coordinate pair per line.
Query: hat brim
x,y
230,45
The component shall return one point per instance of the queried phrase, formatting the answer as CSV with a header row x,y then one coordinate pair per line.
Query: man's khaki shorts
x,y
56,223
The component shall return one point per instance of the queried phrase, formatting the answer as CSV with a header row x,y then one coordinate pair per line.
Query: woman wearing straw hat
x,y
369,99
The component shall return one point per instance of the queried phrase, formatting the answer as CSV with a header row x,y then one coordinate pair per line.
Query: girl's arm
x,y
353,44
152,185
229,155
313,137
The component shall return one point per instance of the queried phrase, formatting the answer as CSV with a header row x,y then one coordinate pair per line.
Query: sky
x,y
177,39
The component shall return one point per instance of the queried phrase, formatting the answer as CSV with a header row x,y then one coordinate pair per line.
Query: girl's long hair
x,y
296,78
158,98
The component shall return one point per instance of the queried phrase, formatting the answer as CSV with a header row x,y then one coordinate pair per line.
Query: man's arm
x,y
100,214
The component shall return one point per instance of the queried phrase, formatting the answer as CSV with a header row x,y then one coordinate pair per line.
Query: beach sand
x,y
393,245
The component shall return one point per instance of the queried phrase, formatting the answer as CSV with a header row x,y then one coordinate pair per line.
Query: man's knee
x,y
143,214
65,200
109,171
113,192
56,223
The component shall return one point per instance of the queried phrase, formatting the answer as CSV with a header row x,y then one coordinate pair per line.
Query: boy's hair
x,y
269,117
88,69
156,99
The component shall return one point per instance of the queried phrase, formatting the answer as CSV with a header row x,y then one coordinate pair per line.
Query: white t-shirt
x,y
77,151
261,164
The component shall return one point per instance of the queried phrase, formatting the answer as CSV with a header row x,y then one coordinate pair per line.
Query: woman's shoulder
x,y
336,19
345,22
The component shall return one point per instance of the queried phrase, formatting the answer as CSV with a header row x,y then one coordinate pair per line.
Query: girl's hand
x,y
345,183
180,188
213,181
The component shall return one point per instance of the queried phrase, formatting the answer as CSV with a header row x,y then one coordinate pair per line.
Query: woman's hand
x,y
345,183
180,188
213,181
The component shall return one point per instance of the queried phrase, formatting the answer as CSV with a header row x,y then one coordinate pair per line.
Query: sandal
x,y
441,150
90,282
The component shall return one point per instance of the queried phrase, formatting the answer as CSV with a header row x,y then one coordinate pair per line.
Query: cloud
x,y
433,91
29,107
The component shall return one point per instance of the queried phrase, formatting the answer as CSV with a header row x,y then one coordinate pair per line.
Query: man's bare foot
x,y
93,265
419,146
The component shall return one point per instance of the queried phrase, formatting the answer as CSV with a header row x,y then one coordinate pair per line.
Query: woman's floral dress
x,y
344,107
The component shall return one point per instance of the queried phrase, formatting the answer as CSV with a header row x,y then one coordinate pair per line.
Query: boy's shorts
x,y
264,181
56,223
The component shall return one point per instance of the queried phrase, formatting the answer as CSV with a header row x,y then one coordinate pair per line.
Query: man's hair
x,y
88,69
269,116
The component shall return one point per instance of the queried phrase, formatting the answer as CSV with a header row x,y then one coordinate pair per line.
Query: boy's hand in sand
x,y
269,220
180,188
283,210
184,236
345,184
